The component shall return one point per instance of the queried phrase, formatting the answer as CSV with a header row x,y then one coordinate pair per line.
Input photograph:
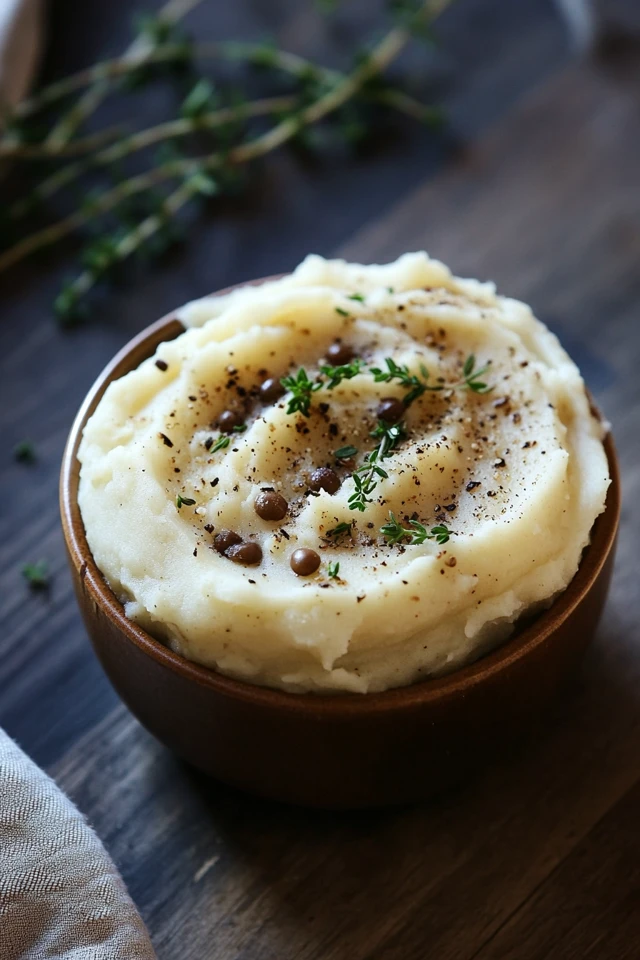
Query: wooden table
x,y
537,186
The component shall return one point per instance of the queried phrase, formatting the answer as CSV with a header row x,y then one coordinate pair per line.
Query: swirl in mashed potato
x,y
514,471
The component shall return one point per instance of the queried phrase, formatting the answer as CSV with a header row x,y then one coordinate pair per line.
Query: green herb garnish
x,y
344,453
470,376
301,388
343,313
338,531
356,296
368,475
240,428
333,570
220,444
414,385
184,501
37,574
25,452
345,371
394,532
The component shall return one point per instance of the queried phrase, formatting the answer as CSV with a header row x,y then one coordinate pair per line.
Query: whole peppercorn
x,y
271,390
339,353
228,420
225,539
391,410
247,553
270,505
304,562
324,478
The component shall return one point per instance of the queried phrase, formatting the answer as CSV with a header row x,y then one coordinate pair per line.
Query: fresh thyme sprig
x,y
393,532
368,475
414,385
345,371
301,388
471,375
320,92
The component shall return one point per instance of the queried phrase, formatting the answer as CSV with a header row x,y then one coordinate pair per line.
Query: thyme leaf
x,y
301,389
345,371
25,452
344,453
393,532
368,475
220,444
37,574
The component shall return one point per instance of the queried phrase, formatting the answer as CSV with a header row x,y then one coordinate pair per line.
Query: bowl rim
x,y
338,704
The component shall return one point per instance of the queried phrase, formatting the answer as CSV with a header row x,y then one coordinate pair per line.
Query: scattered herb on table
x,y
25,452
393,532
37,574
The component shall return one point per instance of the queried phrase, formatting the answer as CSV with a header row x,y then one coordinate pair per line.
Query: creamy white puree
x,y
395,614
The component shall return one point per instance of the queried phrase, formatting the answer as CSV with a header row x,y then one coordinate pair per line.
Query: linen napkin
x,y
60,894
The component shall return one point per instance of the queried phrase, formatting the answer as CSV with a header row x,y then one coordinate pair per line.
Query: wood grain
x,y
537,858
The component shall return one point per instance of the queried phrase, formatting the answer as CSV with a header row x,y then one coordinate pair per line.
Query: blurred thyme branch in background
x,y
158,29
140,212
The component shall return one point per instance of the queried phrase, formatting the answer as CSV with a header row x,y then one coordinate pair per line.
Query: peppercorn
x,y
324,478
226,539
228,420
271,390
391,410
339,353
247,553
270,505
304,562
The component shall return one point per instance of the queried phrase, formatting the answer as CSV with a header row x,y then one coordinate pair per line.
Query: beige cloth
x,y
60,895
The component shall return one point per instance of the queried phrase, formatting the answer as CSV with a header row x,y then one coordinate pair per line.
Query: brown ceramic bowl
x,y
347,750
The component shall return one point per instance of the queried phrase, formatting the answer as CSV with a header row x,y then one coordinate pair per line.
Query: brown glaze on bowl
x,y
346,750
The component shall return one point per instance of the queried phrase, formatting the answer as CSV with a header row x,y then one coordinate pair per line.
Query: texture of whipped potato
x,y
517,474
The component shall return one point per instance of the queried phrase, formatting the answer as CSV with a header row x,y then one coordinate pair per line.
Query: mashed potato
x,y
359,530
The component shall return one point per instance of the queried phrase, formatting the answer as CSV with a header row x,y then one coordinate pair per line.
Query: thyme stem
x,y
136,54
380,57
146,138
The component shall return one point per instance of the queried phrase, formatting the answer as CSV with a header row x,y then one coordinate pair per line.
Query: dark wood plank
x,y
254,880
589,906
